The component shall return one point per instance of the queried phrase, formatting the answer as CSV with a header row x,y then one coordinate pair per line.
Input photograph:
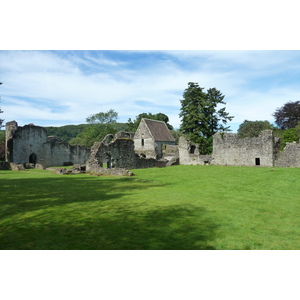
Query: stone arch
x,y
33,158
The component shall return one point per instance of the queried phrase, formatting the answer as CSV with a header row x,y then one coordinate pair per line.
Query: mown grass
x,y
180,207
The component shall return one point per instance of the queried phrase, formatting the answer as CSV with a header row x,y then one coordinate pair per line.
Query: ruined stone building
x,y
151,138
189,153
30,144
231,150
115,152
151,146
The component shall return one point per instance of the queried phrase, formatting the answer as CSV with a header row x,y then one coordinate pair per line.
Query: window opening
x,y
192,149
143,143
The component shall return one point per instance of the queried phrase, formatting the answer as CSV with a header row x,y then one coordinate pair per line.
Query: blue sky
x,y
55,88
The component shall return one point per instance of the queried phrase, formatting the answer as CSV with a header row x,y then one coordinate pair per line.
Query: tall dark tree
x,y
253,128
133,125
288,115
201,118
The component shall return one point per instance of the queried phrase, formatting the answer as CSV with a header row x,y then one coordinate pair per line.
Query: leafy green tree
x,y
107,118
101,124
253,128
201,118
289,136
133,125
288,115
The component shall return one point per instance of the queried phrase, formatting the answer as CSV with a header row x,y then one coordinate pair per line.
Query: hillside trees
x,y
202,116
67,132
101,124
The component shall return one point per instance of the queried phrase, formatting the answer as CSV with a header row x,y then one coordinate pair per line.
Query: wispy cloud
x,y
64,87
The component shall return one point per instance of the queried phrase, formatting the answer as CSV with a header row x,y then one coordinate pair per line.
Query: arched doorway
x,y
33,158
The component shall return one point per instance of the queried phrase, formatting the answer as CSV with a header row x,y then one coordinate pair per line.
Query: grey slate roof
x,y
159,131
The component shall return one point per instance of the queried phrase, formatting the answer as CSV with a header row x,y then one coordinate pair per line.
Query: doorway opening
x,y
257,161
33,158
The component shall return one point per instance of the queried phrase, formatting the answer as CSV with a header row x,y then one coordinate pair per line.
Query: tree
x,y
133,125
1,120
289,136
201,118
101,124
253,128
107,118
288,115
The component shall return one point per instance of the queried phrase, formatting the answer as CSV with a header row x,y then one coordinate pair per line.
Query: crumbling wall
x,y
30,144
170,152
27,145
229,149
290,156
61,153
119,153
189,153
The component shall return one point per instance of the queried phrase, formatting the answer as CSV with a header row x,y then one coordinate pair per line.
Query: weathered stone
x,y
150,137
119,153
189,154
16,167
29,166
114,172
31,144
290,157
230,150
39,166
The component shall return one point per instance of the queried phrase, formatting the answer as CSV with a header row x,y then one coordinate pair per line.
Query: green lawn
x,y
180,207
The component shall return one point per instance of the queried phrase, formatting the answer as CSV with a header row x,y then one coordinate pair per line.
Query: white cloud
x,y
66,87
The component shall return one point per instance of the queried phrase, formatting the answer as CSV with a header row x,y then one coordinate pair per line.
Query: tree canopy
x,y
133,125
253,128
101,124
288,115
201,118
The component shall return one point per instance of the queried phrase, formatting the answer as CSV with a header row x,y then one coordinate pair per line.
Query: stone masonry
x,y
30,144
230,150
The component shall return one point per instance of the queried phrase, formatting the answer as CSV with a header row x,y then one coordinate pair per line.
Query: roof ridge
x,y
154,120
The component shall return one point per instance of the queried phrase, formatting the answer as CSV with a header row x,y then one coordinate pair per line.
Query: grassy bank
x,y
182,207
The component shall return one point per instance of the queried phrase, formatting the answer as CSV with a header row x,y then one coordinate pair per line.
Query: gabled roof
x,y
159,131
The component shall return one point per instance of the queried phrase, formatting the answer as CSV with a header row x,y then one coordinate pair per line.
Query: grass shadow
x,y
83,212
29,194
171,228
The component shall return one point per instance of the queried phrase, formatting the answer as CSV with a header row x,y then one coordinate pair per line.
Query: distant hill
x,y
68,132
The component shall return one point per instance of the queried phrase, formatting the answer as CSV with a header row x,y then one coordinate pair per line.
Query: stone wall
x,y
229,149
30,144
170,152
189,154
119,153
290,157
